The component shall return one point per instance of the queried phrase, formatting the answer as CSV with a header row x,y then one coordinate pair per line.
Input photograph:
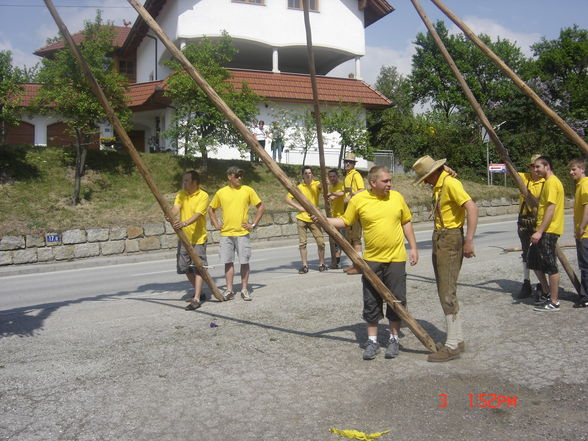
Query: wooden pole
x,y
126,141
568,131
491,132
317,119
413,325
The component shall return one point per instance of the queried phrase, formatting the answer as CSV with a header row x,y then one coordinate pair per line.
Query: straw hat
x,y
350,157
534,158
424,166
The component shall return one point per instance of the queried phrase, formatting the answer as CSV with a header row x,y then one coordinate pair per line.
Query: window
x,y
127,68
253,2
297,4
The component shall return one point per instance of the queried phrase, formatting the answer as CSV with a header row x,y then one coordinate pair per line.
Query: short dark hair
x,y
334,170
545,160
194,174
306,167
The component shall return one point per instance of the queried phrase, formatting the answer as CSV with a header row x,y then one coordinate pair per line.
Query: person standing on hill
x,y
235,200
190,204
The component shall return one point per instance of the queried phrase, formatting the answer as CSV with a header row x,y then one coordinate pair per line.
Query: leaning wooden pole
x,y
126,141
491,132
317,119
568,131
249,138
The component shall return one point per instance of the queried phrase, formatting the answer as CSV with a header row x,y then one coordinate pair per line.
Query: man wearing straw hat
x,y
451,207
352,185
526,223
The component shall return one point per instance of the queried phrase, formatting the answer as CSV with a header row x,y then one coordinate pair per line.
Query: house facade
x,y
272,58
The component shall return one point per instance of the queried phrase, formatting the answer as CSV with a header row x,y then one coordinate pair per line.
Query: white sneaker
x,y
245,295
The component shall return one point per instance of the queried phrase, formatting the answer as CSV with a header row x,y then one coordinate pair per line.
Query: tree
x,y
198,126
349,123
433,82
10,92
66,92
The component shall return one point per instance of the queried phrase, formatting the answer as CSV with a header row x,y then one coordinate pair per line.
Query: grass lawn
x,y
36,184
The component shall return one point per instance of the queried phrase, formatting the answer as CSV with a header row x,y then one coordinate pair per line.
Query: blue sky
x,y
388,42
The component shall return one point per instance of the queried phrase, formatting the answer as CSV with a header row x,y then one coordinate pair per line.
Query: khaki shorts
x,y
184,262
353,234
314,229
229,245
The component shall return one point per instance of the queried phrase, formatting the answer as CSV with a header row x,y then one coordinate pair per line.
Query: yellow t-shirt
x,y
580,200
337,206
553,193
534,188
312,193
235,203
189,204
382,219
453,197
353,182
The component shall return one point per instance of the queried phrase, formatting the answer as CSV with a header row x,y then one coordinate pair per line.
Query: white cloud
x,y
374,59
19,58
495,30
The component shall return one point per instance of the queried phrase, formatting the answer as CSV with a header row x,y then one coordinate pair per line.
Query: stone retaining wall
x,y
78,244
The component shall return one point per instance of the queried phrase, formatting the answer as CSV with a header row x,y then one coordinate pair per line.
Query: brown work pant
x,y
447,259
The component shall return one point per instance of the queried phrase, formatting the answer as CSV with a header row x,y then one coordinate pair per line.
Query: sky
x,y
26,24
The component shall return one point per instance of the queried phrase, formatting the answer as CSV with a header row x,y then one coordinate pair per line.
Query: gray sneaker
x,y
228,295
372,348
245,295
393,348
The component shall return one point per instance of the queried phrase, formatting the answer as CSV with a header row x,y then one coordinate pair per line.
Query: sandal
x,y
303,270
193,305
323,268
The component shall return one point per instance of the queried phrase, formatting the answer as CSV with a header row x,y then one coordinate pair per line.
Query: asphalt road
x,y
108,353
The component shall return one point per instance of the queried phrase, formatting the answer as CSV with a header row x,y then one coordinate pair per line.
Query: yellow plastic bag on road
x,y
356,434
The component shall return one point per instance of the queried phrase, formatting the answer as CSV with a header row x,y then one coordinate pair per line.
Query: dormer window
x,y
251,2
297,4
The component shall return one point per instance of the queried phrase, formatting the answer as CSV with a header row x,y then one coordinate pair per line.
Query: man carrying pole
x,y
526,222
386,221
353,184
191,203
451,206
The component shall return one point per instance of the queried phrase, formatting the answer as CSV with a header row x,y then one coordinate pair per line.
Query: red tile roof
x,y
120,35
297,88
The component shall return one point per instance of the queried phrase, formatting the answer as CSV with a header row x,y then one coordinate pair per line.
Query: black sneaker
x,y
581,304
526,290
547,307
540,297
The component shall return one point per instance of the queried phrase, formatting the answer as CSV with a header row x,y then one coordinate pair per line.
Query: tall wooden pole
x,y
126,141
568,131
249,138
491,132
317,119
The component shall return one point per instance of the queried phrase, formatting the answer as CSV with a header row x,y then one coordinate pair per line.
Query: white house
x,y
271,39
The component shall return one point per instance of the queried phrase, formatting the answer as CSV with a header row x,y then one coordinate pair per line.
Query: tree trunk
x,y
341,153
204,154
78,169
304,157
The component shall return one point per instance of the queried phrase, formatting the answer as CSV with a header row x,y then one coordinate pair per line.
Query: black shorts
x,y
393,274
542,255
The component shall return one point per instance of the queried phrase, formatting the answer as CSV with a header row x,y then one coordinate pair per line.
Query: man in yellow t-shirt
x,y
577,169
311,189
353,184
550,225
386,222
235,200
451,207
190,204
526,223
336,196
